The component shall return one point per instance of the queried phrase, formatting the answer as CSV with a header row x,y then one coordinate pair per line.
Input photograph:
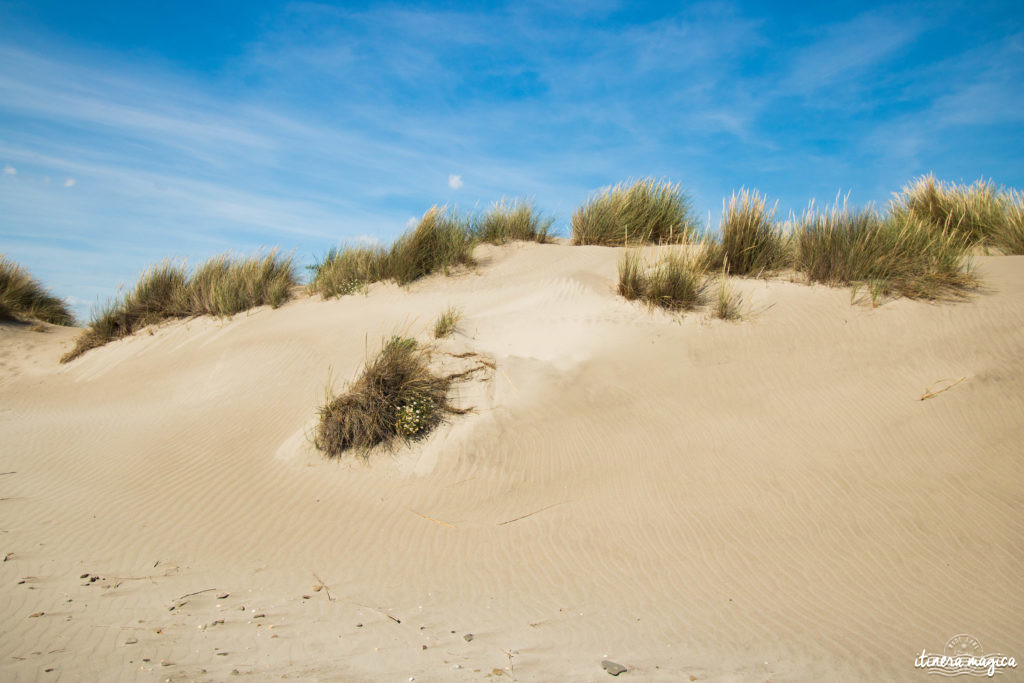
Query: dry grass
x,y
898,254
727,303
22,297
395,397
752,241
1009,237
441,240
222,286
517,220
647,211
446,322
981,213
676,281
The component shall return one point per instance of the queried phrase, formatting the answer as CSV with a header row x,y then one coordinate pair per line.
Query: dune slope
x,y
762,500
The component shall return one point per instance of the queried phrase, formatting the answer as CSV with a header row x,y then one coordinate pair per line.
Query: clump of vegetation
x,y
442,240
22,297
1009,237
644,212
395,397
675,281
727,302
222,286
348,269
977,211
518,220
898,254
446,322
752,242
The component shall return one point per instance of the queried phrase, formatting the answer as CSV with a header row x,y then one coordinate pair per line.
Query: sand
x,y
691,498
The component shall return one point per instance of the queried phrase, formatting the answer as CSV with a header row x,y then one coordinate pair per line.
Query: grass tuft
x,y
675,282
395,397
442,240
22,297
647,211
348,269
752,242
976,212
1009,237
517,220
446,322
898,254
222,286
727,302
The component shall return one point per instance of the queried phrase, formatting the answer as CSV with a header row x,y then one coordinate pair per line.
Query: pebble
x,y
468,637
223,596
613,668
131,641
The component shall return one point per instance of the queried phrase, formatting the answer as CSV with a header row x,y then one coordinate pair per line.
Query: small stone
x,y
164,662
359,625
260,616
84,576
306,597
93,579
223,596
424,647
468,637
613,668
217,622
222,654
131,641
37,614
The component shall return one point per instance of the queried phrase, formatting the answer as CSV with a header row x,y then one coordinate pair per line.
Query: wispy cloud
x,y
10,170
455,181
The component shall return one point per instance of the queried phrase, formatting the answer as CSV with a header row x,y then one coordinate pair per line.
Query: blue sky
x,y
131,132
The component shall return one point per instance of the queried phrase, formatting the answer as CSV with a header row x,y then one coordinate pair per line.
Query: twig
x,y
528,514
3,473
186,595
928,393
435,521
324,586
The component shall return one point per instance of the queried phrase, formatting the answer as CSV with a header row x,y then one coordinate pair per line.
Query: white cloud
x,y
412,222
10,170
70,182
455,181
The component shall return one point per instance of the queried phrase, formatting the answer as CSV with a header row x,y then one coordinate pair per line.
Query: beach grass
x,y
395,397
509,221
447,322
22,297
645,211
675,281
898,254
752,241
980,212
442,239
222,286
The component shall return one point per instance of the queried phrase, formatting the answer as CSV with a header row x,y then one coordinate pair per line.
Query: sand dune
x,y
762,500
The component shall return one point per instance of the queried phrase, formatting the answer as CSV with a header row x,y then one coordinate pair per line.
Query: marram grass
x,y
508,221
22,297
646,211
752,241
396,397
222,286
447,322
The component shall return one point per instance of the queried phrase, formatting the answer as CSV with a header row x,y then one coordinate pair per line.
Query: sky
x,y
132,132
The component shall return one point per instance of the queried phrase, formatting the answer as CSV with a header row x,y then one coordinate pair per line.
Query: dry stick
x,y
3,473
928,393
436,521
324,585
532,513
187,595
379,611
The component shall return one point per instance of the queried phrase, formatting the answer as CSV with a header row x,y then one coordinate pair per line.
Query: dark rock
x,y
468,637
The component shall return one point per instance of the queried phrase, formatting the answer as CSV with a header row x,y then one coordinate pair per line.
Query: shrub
x,y
396,396
446,322
222,286
23,297
752,242
441,240
646,211
516,221
899,254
